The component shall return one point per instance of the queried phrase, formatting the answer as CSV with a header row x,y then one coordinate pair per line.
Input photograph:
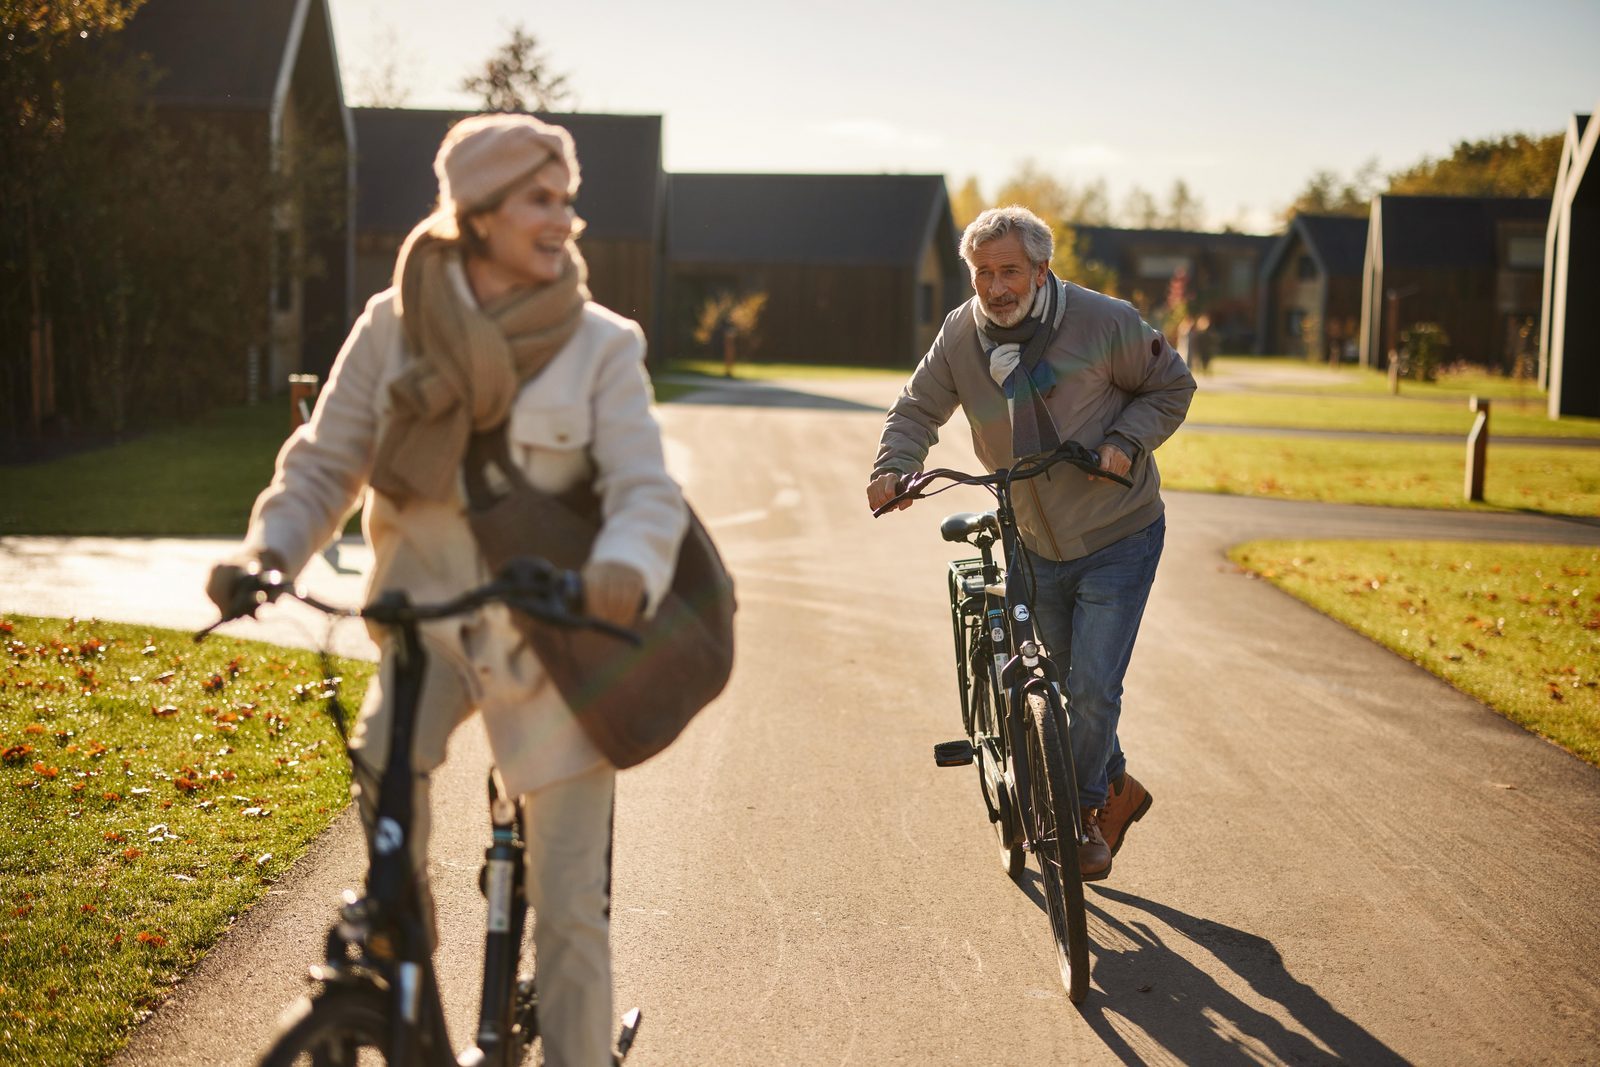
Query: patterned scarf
x,y
1017,364
464,363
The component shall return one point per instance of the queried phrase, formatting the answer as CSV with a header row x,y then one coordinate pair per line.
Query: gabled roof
x,y
222,54
1109,244
1337,243
856,219
1448,232
619,156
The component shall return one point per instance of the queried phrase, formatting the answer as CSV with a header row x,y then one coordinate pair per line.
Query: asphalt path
x,y
1347,860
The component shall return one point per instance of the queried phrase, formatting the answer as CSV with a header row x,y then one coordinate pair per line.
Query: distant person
x,y
489,323
1033,360
1198,343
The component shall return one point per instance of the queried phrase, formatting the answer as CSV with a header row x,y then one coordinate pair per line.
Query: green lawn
x,y
1451,384
198,479
1564,481
1517,626
1401,414
151,789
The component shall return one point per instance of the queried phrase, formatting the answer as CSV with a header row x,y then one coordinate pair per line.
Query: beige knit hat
x,y
484,155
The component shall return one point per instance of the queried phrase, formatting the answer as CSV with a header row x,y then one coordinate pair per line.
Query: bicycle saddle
x,y
964,525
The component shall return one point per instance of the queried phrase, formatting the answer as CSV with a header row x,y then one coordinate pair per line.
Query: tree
x,y
1517,164
1184,210
1139,210
383,83
1325,193
518,78
966,203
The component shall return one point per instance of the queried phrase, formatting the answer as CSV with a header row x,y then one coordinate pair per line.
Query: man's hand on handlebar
x,y
1113,459
882,489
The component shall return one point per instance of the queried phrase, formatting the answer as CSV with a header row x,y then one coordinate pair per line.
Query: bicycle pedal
x,y
953,753
630,1030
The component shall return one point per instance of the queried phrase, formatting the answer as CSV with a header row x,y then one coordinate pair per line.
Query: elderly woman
x,y
489,322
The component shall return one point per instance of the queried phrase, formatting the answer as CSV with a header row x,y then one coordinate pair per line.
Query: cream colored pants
x,y
567,827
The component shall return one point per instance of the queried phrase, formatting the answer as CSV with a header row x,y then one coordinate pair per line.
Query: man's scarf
x,y
1017,364
463,363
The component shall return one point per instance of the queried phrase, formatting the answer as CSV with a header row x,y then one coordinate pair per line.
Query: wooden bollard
x,y
1477,447
302,395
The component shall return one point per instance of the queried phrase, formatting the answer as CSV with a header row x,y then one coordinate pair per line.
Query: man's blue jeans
x,y
1087,612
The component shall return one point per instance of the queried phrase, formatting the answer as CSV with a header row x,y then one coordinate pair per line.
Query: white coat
x,y
586,416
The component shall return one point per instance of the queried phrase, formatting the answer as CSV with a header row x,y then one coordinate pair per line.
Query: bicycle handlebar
x,y
528,584
914,486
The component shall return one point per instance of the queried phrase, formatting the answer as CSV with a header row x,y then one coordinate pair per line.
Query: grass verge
x,y
198,480
1455,384
1554,480
1389,414
1516,626
151,789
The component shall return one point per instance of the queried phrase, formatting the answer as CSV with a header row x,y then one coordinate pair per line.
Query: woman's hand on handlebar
x,y
612,592
232,584
1113,459
882,489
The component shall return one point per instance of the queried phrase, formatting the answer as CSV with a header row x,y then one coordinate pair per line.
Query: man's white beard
x,y
1016,313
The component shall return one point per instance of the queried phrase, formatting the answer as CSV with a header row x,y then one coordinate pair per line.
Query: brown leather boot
x,y
1094,856
1126,803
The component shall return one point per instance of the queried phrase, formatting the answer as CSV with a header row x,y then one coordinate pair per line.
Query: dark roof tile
x,y
862,219
215,53
1449,232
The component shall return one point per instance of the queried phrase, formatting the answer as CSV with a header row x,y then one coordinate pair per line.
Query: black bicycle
x,y
376,996
1011,696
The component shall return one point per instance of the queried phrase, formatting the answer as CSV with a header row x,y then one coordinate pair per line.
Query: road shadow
x,y
1154,996
738,393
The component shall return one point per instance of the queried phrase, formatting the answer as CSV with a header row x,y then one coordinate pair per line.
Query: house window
x,y
1293,323
925,302
1241,277
1525,253
1163,266
1306,268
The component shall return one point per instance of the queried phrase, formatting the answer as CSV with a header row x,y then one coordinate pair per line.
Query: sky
x,y
1243,100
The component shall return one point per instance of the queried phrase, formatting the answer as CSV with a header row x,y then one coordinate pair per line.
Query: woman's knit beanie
x,y
483,156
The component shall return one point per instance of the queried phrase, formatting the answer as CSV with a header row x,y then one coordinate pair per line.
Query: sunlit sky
x,y
1243,100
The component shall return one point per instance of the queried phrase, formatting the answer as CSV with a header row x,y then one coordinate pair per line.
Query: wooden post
x,y
302,395
1477,448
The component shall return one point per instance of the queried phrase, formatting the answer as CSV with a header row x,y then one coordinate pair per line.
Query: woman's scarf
x,y
1017,364
464,363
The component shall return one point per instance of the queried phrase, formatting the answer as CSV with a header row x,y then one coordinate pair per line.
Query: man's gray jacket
x,y
1117,382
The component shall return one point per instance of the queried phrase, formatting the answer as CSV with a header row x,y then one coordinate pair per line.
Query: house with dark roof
x,y
1472,264
620,199
1310,290
857,268
266,73
1220,271
1569,337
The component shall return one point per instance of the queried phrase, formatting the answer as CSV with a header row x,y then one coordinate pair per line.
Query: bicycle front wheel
x,y
1054,822
338,1028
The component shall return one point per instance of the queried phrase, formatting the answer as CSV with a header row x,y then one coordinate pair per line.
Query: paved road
x,y
1347,860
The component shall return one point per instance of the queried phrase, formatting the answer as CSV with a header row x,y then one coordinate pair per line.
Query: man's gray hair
x,y
1037,240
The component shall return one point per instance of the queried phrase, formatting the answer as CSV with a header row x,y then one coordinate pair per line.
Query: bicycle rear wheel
x,y
1055,819
341,1027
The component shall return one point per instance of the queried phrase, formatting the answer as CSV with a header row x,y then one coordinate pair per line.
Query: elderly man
x,y
1033,360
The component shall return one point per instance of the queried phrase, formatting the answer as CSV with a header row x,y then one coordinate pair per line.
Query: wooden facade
x,y
858,268
1310,290
621,199
1221,272
1474,265
1569,345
